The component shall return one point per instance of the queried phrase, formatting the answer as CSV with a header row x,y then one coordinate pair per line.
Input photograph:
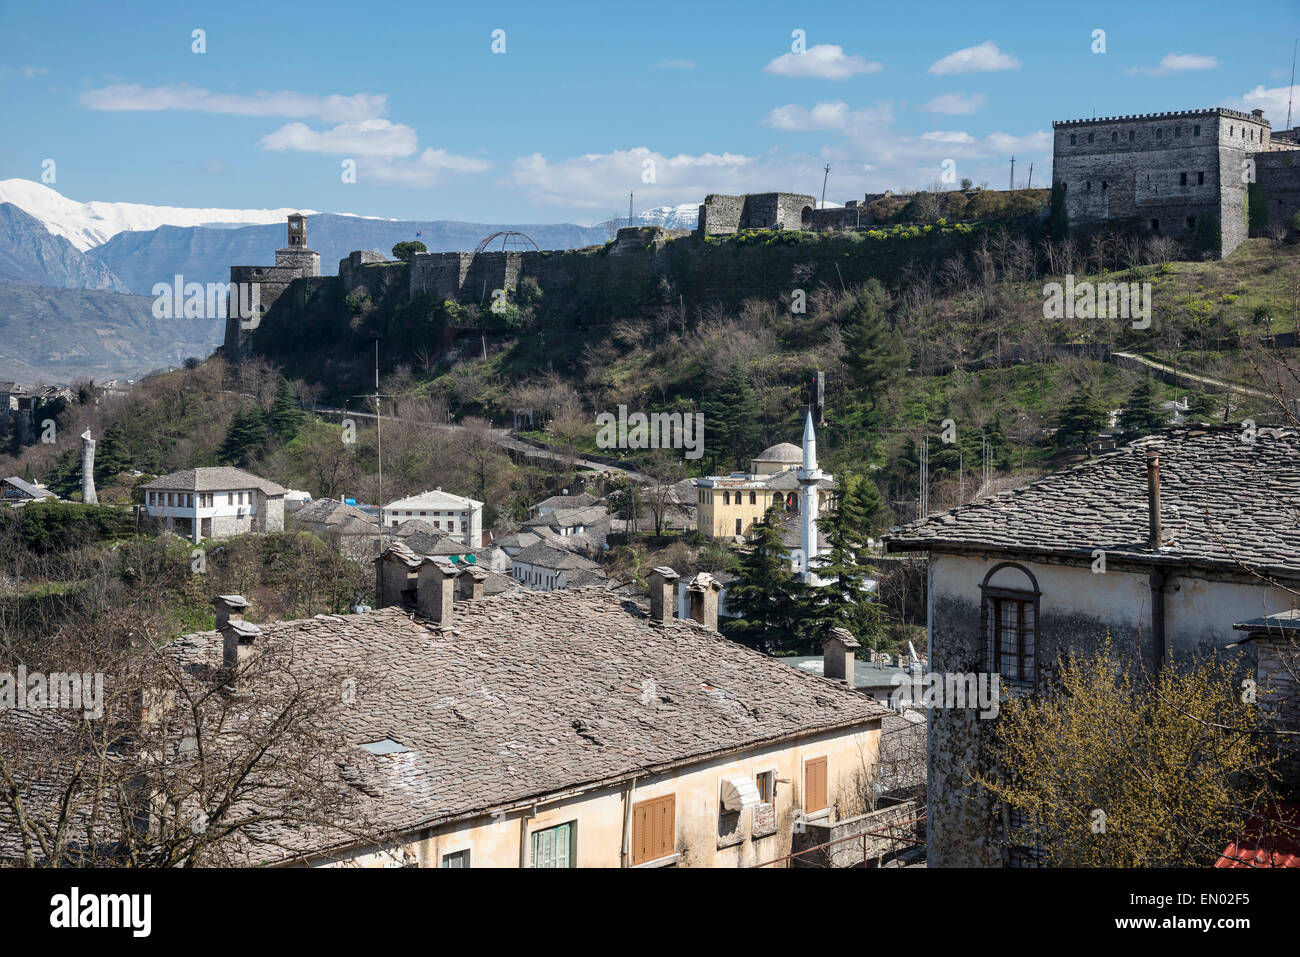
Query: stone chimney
x,y
237,640
1153,500
393,570
471,579
838,652
228,608
436,591
88,495
703,591
663,589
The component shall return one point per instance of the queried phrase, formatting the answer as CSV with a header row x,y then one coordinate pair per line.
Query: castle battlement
x,y
1171,114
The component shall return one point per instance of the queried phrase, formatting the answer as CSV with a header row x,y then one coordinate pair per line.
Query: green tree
x,y
285,417
112,457
1080,420
1202,407
845,600
732,424
246,436
1142,414
1176,764
406,251
874,350
766,596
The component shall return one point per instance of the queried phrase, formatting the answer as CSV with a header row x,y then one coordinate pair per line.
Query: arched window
x,y
726,498
753,498
1009,624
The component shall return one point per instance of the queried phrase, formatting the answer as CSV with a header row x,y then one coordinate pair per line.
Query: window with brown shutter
x,y
814,785
654,829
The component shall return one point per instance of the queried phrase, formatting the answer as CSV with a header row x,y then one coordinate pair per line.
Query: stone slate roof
x,y
569,517
330,511
1224,503
532,693
548,556
27,488
222,479
581,500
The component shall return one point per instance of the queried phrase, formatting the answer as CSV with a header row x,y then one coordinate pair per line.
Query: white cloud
x,y
367,138
826,61
32,72
824,116
1177,63
674,65
428,169
331,109
1031,143
601,181
977,59
955,103
941,136
1273,101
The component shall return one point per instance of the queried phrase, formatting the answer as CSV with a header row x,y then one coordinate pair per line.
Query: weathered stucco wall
x,y
601,814
1077,608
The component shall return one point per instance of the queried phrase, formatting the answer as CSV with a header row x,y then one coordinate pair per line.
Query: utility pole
x,y
1013,173
1291,89
629,210
1029,183
825,177
923,496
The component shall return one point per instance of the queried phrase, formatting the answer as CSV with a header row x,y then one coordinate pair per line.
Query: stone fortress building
x,y
1197,176
294,261
1206,178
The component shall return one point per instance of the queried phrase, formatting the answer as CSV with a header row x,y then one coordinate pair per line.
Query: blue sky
x,y
561,125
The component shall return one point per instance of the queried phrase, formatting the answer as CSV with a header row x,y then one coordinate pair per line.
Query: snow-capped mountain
x,y
684,216
87,225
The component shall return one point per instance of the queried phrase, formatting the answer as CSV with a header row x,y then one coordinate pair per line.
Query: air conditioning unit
x,y
243,511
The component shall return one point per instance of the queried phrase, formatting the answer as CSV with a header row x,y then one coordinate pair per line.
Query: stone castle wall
x,y
1278,177
1163,173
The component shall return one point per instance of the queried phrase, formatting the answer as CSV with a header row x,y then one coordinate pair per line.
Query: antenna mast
x,y
1291,89
629,210
825,177
1013,173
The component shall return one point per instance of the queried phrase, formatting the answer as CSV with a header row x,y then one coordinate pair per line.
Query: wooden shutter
x,y
654,829
553,847
814,785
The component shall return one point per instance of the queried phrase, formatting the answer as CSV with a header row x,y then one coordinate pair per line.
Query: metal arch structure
x,y
510,239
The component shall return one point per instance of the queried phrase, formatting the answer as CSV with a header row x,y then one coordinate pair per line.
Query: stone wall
x,y
721,215
1278,177
897,821
1163,173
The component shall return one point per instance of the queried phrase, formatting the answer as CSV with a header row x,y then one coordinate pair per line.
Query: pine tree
x,y
874,350
285,417
845,600
1142,414
111,455
732,419
1081,419
245,437
767,597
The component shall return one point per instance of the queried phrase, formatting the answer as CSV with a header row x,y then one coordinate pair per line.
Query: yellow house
x,y
570,729
729,505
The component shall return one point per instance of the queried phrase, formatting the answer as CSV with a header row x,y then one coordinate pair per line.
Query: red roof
x,y
1272,839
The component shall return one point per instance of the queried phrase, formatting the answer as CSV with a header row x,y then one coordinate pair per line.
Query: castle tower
x,y
88,495
809,475
298,230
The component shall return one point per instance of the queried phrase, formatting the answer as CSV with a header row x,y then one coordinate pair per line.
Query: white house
x,y
215,503
454,514
543,567
1169,547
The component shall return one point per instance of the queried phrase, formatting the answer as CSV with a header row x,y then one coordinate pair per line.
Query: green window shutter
x,y
553,847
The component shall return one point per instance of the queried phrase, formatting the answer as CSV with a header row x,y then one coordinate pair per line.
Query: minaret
x,y
88,495
808,477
